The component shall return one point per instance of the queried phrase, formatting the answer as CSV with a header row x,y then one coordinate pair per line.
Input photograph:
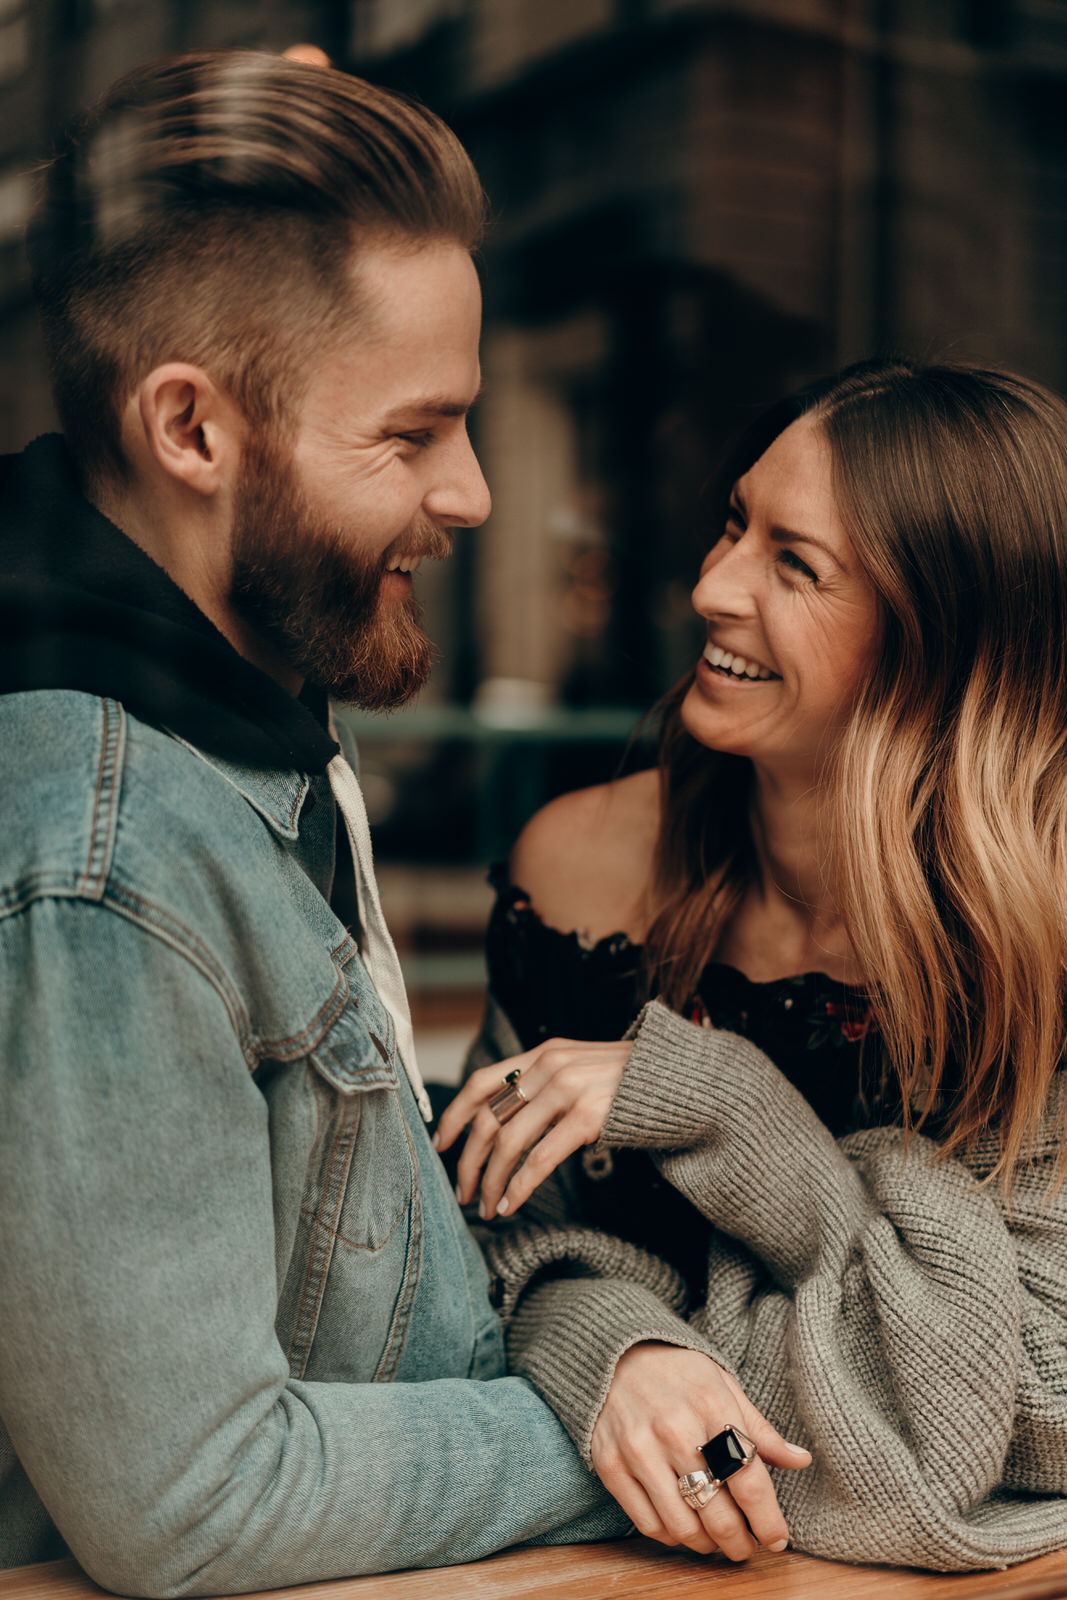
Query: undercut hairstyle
x,y
207,210
948,786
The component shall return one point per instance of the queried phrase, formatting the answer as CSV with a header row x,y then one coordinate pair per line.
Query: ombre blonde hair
x,y
948,786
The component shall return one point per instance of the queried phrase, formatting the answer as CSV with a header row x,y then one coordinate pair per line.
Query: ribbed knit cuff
x,y
675,1076
569,1334
730,1132
573,1301
520,1257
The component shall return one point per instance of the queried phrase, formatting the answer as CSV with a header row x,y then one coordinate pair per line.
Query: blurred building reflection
x,y
697,206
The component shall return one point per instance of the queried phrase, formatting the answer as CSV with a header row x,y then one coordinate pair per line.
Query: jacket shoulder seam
x,y
160,925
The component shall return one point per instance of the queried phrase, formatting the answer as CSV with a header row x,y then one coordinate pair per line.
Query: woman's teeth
x,y
738,666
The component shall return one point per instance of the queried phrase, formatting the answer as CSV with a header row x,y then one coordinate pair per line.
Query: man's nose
x,y
460,498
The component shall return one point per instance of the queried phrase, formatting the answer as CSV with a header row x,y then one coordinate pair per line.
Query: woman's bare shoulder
x,y
586,858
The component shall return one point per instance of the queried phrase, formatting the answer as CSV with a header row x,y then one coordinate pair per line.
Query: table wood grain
x,y
619,1570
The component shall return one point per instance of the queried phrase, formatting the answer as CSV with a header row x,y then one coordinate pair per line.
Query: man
x,y
246,1339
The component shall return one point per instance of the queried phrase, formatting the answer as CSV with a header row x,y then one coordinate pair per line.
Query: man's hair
x,y
206,210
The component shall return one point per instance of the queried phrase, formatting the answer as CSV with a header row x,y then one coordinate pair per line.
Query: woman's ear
x,y
184,423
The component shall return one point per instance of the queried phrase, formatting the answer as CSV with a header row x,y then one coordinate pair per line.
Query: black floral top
x,y
821,1034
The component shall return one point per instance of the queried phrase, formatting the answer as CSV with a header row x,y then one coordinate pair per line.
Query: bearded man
x,y
246,1339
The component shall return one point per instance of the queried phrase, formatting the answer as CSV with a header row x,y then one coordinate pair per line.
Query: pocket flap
x,y
358,1052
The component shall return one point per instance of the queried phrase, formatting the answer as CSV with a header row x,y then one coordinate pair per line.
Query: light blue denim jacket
x,y
246,1339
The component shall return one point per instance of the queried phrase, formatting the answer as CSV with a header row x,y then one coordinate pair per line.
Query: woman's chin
x,y
712,726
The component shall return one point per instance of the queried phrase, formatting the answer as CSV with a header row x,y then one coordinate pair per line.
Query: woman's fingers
x,y
663,1404
563,1082
502,1147
680,1525
479,1088
745,1511
504,1190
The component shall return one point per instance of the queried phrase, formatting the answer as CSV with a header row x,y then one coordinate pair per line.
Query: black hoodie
x,y
83,607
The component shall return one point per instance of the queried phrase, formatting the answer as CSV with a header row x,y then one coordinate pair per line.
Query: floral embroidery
x,y
841,1022
831,1022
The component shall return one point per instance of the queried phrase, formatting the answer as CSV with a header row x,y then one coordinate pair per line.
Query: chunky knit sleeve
x,y
573,1299
876,1302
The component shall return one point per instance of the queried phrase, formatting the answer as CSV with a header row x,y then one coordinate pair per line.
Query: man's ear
x,y
188,426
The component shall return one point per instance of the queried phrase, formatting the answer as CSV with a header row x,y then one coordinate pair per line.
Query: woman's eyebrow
x,y
783,535
790,536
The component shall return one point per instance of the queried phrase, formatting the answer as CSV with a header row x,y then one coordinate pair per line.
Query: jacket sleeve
x,y
142,1384
876,1303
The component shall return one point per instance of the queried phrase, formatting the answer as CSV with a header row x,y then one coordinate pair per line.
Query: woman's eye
x,y
789,558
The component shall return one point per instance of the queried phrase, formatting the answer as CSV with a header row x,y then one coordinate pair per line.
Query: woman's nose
x,y
725,585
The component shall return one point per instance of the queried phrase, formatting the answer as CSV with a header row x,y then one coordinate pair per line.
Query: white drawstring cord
x,y
377,948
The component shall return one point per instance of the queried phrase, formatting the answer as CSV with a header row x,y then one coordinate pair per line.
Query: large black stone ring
x,y
727,1453
508,1100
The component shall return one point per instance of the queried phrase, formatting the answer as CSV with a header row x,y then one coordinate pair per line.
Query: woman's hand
x,y
569,1087
663,1404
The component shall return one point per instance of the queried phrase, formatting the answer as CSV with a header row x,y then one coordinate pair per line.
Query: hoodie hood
x,y
83,607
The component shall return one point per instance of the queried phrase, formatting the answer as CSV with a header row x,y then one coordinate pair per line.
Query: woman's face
x,y
786,602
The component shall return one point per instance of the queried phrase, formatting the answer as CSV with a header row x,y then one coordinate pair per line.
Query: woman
x,y
835,1212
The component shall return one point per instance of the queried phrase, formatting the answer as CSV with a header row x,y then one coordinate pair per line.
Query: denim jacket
x,y
246,1338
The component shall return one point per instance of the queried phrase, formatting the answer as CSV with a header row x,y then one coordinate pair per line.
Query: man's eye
x,y
790,559
420,439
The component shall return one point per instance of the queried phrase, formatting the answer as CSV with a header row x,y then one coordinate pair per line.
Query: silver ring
x,y
509,1100
697,1488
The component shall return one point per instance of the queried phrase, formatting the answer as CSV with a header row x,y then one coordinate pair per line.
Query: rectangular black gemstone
x,y
725,1454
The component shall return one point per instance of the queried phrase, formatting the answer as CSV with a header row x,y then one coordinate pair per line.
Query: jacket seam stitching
x,y
412,1268
311,1215
309,1317
171,931
112,745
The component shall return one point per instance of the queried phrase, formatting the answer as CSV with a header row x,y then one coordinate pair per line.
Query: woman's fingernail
x,y
436,1141
797,1449
503,1208
482,1212
779,1544
459,1193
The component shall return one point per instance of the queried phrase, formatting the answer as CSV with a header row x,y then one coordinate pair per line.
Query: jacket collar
x,y
83,607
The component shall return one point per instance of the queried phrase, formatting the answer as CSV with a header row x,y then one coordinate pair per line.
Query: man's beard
x,y
308,588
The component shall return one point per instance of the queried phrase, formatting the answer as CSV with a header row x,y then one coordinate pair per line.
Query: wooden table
x,y
621,1569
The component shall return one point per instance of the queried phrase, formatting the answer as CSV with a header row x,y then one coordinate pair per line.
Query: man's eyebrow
x,y
787,535
434,405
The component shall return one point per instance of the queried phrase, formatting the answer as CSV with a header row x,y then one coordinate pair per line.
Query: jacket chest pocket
x,y
354,1267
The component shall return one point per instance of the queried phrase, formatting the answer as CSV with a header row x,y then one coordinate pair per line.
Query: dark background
x,y
696,207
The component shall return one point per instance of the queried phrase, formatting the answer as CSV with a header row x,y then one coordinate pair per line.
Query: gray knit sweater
x,y
873,1301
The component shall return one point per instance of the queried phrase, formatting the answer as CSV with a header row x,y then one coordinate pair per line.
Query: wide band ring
x,y
697,1488
508,1100
727,1453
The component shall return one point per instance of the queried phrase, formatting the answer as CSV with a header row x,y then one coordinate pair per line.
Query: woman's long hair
x,y
948,787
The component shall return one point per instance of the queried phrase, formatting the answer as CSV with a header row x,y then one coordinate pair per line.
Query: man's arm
x,y
140,1376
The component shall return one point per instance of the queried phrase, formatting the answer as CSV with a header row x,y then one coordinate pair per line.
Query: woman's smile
x,y
792,619
734,666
